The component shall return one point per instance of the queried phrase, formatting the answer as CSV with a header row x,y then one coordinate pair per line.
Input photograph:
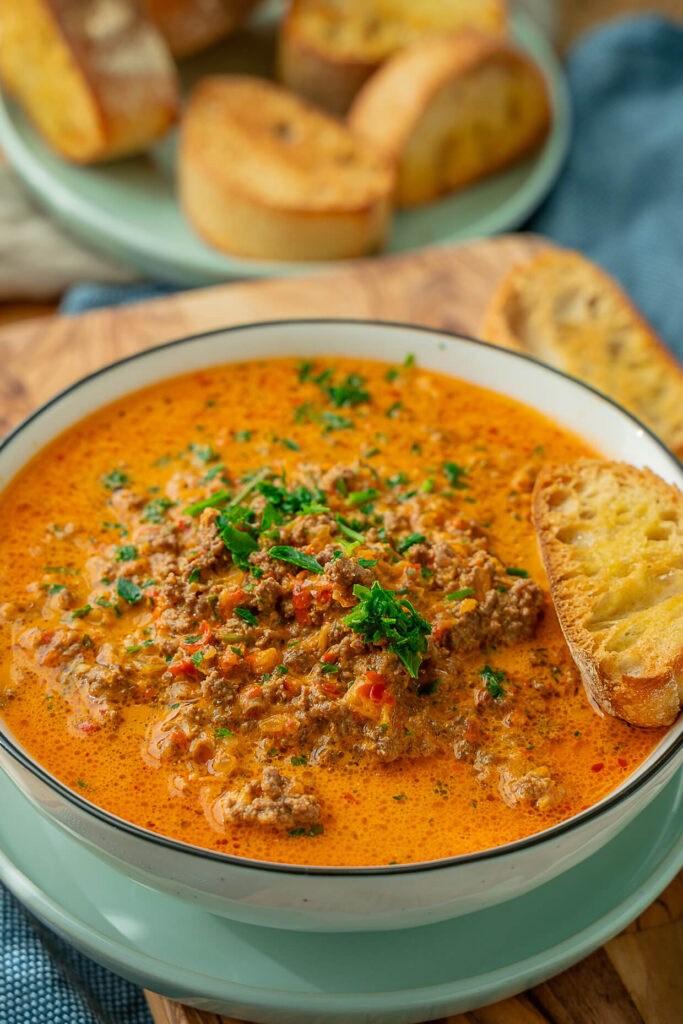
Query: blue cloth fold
x,y
619,199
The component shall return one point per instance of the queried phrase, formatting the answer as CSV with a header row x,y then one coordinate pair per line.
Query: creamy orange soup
x,y
295,611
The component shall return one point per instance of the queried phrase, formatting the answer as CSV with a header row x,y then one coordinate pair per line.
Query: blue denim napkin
x,y
620,201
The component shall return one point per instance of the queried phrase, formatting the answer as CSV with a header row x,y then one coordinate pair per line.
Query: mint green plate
x,y
280,977
128,209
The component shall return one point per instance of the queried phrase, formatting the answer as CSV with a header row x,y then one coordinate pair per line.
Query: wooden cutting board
x,y
636,977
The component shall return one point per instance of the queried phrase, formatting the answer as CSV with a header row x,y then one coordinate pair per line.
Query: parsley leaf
x,y
126,553
112,481
238,542
155,510
518,572
457,595
407,542
248,616
379,615
454,474
285,553
219,498
128,590
493,679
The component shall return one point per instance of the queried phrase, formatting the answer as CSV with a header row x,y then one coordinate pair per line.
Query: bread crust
x,y
264,174
96,78
190,26
611,540
427,109
567,311
328,49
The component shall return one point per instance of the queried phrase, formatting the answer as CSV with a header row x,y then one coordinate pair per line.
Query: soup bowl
x,y
348,898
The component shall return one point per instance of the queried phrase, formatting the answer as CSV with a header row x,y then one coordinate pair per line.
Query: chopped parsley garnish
x,y
371,452
212,473
239,543
458,595
138,647
112,481
397,480
517,572
195,575
222,733
350,393
282,670
427,689
394,410
55,588
214,501
391,375
285,553
363,497
407,542
154,510
493,679
305,369
347,531
427,486
126,553
244,435
314,830
79,613
299,761
454,474
368,563
333,421
86,641
128,590
247,615
326,668
204,452
197,658
409,360
300,500
379,616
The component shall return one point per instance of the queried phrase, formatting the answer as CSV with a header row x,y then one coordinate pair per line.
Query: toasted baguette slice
x,y
611,539
95,76
191,25
450,110
568,312
328,48
263,173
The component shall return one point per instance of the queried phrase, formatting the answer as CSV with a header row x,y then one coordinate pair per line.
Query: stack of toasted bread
x,y
435,94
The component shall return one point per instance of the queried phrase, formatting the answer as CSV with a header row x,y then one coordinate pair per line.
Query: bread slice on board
x,y
95,76
328,48
450,110
565,310
611,539
263,173
191,25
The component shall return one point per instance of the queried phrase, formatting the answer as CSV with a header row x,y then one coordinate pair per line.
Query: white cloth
x,y
38,258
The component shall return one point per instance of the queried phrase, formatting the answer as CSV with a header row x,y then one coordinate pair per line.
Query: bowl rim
x,y
112,820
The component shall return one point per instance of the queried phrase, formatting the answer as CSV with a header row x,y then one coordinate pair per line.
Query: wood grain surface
x,y
637,977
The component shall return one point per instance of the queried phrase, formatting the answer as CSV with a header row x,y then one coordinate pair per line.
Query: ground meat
x,y
521,608
536,787
330,480
270,800
124,501
347,572
268,592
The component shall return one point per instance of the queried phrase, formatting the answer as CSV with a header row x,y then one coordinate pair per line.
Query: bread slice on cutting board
x,y
450,110
566,311
95,76
263,173
611,539
328,48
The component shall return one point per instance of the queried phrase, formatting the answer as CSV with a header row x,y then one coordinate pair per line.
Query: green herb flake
x,y
522,573
368,563
363,497
458,595
407,542
299,761
314,830
155,510
80,613
204,452
114,480
128,590
454,474
195,575
126,553
394,410
379,615
285,553
493,679
213,501
248,616
222,733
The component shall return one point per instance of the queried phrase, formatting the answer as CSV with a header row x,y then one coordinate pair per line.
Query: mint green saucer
x,y
128,209
281,977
